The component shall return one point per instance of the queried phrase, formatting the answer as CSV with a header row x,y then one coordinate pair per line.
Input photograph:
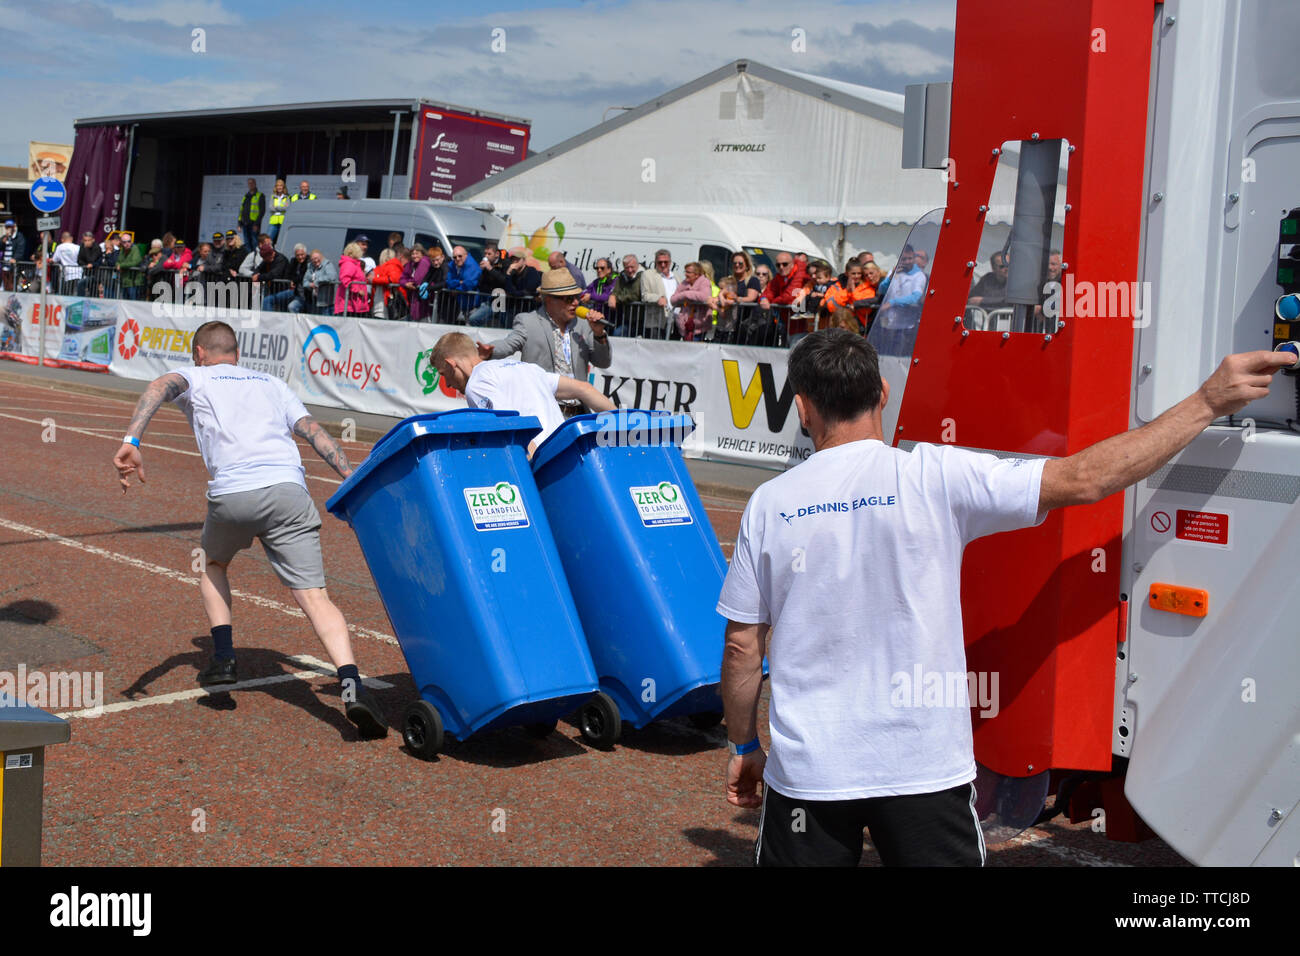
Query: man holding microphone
x,y
550,336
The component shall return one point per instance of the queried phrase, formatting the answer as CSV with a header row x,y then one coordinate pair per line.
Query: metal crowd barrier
x,y
745,323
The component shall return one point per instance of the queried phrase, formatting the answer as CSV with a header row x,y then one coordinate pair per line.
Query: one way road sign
x,y
48,194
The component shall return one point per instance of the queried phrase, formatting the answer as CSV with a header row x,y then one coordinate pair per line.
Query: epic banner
x,y
78,332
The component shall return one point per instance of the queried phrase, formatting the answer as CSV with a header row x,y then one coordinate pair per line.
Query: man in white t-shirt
x,y
513,386
244,422
853,559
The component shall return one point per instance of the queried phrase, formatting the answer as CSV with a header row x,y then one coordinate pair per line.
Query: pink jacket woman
x,y
352,295
693,295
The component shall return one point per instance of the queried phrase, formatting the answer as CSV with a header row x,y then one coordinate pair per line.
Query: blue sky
x,y
563,65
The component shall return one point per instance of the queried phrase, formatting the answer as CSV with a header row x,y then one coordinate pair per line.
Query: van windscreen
x,y
475,247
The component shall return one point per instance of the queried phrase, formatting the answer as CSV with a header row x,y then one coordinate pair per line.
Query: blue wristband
x,y
740,750
128,440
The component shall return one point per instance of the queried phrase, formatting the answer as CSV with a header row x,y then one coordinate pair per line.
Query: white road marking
x,y
178,576
150,445
318,669
1038,839
66,411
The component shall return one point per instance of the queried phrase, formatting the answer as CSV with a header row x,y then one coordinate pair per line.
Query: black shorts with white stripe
x,y
922,829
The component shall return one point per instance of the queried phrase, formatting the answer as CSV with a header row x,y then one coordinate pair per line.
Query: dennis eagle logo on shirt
x,y
873,501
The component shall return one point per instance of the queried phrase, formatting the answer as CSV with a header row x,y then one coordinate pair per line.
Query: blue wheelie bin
x,y
460,549
644,566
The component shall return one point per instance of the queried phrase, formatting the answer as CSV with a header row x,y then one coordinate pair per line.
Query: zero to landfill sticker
x,y
660,505
18,761
496,507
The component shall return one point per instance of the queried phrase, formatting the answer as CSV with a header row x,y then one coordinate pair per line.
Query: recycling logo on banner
x,y
127,351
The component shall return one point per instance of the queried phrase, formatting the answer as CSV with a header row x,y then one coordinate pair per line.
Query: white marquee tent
x,y
818,153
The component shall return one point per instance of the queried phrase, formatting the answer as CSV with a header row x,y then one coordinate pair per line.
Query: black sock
x,y
223,643
349,672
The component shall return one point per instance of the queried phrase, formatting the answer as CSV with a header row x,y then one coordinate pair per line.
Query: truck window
x,y
475,247
428,240
718,257
377,235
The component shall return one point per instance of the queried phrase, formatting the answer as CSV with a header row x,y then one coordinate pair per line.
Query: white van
x,y
587,233
330,224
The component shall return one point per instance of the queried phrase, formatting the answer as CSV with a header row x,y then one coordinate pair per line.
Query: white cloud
x,y
178,13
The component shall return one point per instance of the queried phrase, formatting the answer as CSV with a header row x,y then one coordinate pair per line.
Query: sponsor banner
x,y
78,332
456,150
739,397
373,365
155,338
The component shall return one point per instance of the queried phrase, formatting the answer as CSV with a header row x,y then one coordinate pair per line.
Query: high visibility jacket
x,y
250,209
297,196
278,205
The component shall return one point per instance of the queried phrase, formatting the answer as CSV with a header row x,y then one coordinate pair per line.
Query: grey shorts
x,y
283,516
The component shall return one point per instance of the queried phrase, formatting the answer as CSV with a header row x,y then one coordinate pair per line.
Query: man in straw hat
x,y
551,337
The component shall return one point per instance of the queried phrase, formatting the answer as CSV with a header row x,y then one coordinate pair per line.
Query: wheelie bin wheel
x,y
422,729
541,731
706,720
599,721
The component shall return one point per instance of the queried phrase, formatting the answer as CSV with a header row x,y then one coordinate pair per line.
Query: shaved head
x,y
216,338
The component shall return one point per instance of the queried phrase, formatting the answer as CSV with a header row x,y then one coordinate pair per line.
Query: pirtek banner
x,y
739,397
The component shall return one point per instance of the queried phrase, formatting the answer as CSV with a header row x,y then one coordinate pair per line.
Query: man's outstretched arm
x,y
308,429
585,392
1125,459
128,460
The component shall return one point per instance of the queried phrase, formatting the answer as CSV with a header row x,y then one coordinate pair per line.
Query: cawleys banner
x,y
739,397
78,332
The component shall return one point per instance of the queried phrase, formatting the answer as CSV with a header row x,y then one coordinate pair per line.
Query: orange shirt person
x,y
848,303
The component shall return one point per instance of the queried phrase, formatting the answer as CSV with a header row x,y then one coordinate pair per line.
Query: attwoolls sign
x,y
348,370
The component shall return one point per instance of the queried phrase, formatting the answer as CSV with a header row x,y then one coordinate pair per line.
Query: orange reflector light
x,y
1179,600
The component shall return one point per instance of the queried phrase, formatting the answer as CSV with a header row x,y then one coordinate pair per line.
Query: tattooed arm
x,y
310,431
162,389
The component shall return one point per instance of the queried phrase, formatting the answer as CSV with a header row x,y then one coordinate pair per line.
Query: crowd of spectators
x,y
772,302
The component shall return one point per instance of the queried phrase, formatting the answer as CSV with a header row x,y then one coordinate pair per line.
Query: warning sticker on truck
x,y
1202,527
496,507
661,504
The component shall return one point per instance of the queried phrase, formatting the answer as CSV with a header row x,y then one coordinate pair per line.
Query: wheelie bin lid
x,y
457,421
648,428
23,726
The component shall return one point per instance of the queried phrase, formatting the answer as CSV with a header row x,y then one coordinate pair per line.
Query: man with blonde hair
x,y
508,385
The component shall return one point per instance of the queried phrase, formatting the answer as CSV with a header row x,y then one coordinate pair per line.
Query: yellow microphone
x,y
583,312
